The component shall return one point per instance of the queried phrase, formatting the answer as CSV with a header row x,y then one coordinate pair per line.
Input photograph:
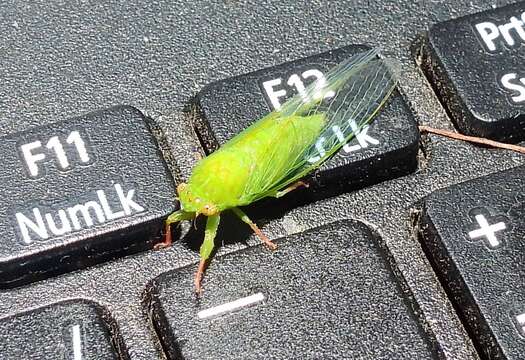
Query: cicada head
x,y
190,202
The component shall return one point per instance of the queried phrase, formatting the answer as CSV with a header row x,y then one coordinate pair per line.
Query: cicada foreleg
x,y
175,217
212,223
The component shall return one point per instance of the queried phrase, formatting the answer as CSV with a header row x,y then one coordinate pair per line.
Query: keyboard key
x,y
74,329
475,64
474,233
383,150
80,191
327,293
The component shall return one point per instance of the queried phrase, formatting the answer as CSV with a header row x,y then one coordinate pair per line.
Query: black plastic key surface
x,y
73,329
327,293
475,236
384,150
80,191
476,65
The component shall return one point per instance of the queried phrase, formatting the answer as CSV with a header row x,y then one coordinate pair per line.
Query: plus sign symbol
x,y
487,228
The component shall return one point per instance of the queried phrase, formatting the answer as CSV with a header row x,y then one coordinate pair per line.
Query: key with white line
x,y
474,233
73,330
327,293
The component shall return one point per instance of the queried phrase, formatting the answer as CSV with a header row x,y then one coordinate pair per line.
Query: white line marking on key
x,y
77,343
521,322
231,306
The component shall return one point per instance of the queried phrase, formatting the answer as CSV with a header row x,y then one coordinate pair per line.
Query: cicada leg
x,y
292,187
212,223
254,227
175,217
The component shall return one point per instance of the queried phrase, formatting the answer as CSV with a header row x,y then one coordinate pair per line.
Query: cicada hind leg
x,y
254,227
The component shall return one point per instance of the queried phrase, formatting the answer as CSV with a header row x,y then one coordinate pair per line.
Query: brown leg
x,y
292,187
167,238
254,227
203,263
473,139
177,216
263,237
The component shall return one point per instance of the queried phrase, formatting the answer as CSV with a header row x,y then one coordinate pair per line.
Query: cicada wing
x,y
314,94
352,94
352,108
334,80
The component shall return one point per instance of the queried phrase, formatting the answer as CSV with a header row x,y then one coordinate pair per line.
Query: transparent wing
x,y
353,107
348,99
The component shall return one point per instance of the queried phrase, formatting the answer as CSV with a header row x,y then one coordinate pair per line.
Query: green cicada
x,y
269,158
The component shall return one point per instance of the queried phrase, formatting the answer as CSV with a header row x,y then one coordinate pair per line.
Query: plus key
x,y
474,234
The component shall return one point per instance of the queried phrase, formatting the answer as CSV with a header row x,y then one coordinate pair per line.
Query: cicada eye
x,y
181,188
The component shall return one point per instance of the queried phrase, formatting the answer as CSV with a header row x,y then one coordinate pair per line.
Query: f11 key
x,y
79,191
474,234
475,63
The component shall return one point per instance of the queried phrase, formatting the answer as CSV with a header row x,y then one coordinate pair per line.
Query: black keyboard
x,y
406,245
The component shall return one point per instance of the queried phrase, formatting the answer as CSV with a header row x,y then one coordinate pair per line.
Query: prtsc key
x,y
475,63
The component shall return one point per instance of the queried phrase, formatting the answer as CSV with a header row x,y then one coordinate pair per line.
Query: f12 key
x,y
476,65
78,192
383,150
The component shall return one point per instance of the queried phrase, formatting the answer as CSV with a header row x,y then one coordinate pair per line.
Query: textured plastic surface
x,y
327,293
385,149
475,234
64,58
73,329
78,191
475,62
